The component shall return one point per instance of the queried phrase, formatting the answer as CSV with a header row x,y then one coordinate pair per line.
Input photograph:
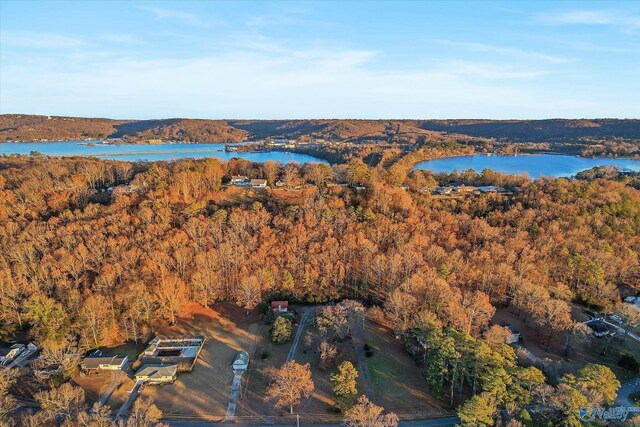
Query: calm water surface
x,y
535,165
149,152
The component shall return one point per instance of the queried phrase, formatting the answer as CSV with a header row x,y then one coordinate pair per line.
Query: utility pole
x,y
298,420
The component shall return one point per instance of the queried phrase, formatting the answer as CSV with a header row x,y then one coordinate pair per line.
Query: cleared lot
x,y
204,392
390,378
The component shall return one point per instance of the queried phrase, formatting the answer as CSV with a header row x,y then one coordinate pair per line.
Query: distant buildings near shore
x,y
462,190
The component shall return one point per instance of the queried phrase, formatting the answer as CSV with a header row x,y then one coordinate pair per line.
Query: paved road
x,y
233,398
625,390
437,422
296,339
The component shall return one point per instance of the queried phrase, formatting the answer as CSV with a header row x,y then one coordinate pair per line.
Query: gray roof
x,y
157,371
242,357
94,362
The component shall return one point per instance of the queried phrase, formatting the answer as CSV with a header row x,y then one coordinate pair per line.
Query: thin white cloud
x,y
38,40
292,84
508,51
119,38
491,70
180,16
592,17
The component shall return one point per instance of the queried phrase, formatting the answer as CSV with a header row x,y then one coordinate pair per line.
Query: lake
x,y
535,165
149,152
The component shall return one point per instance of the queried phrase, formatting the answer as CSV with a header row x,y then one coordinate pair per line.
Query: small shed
x,y
280,306
240,361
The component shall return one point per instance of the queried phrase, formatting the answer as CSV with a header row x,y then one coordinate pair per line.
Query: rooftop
x,y
157,371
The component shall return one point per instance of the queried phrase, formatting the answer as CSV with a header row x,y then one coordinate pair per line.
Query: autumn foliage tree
x,y
366,414
289,384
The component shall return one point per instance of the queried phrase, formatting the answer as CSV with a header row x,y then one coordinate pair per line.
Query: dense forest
x,y
96,252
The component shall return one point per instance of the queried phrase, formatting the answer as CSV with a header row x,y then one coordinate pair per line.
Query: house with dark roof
x,y
8,354
240,180
600,328
100,362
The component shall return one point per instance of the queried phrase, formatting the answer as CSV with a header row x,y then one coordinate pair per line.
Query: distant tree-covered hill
x,y
19,127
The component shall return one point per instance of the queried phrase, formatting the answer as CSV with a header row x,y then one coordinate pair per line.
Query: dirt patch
x,y
94,384
119,396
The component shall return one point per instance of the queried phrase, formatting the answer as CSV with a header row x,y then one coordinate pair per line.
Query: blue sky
x,y
263,60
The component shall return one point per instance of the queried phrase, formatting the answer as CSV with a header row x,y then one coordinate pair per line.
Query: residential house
x,y
240,361
240,180
9,354
157,374
280,306
463,189
100,362
599,328
490,189
443,190
258,183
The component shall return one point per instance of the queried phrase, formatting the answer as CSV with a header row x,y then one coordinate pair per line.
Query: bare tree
x,y
65,402
248,294
328,355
